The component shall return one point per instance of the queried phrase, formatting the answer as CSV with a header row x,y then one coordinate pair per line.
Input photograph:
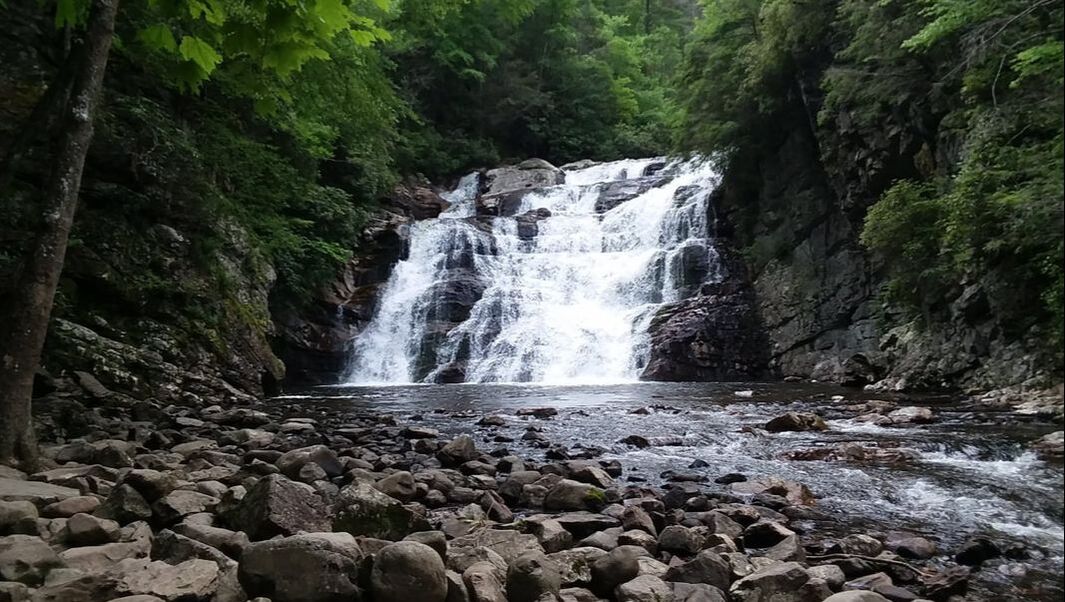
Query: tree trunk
x,y
26,324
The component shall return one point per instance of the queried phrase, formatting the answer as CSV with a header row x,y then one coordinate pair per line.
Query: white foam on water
x,y
572,305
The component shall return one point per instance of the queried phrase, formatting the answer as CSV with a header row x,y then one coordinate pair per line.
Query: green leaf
x,y
158,37
196,50
362,37
69,13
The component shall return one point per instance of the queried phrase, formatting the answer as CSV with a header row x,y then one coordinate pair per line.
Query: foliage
x,y
944,115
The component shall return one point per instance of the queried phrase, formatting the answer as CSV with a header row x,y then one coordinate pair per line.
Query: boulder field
x,y
266,503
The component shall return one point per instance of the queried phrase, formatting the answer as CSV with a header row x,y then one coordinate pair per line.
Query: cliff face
x,y
818,295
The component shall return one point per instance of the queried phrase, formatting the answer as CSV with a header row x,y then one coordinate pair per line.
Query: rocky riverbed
x,y
330,497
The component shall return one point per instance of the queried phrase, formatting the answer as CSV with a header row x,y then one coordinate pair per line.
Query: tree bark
x,y
26,325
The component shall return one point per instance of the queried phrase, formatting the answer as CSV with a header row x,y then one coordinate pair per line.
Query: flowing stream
x,y
969,473
569,304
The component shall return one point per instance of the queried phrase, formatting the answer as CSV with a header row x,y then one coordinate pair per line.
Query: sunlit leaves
x,y
158,37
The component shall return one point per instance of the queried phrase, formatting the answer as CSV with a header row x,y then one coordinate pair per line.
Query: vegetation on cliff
x,y
258,134
943,118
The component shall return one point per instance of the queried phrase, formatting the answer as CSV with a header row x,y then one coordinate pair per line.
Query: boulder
x,y
87,530
507,544
278,506
795,493
680,540
125,505
775,583
707,567
531,576
615,567
484,583
362,510
290,463
697,592
575,564
408,570
856,596
18,517
573,495
399,485
190,580
180,503
310,567
912,415
635,517
645,588
71,506
151,484
40,494
94,559
459,450
793,421
26,559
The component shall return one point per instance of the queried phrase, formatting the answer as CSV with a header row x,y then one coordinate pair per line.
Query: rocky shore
x,y
274,502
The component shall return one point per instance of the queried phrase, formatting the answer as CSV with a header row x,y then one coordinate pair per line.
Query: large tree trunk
x,y
25,326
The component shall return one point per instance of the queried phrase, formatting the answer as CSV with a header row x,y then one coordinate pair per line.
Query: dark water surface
x,y
973,474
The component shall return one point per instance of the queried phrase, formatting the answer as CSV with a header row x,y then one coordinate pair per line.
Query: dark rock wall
x,y
818,294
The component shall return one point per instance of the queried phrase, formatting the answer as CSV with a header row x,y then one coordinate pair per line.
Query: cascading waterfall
x,y
481,299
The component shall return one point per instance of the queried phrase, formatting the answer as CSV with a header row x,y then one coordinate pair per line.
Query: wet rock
x,y
773,540
572,495
775,583
419,432
642,442
531,576
1050,446
977,550
793,421
26,559
796,493
917,548
645,588
617,192
460,450
406,571
953,581
541,413
311,567
278,506
707,567
615,567
592,475
911,415
362,510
